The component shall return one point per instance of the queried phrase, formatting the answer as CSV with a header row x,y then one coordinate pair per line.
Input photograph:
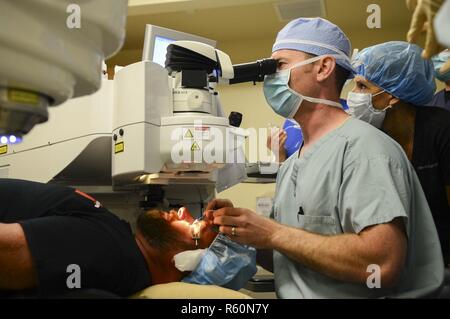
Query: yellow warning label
x,y
22,97
195,147
119,148
188,134
3,149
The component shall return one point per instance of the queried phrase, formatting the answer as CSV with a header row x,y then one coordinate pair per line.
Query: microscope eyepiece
x,y
254,71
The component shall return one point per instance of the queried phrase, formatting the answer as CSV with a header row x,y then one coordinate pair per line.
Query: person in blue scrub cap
x,y
392,85
347,203
442,98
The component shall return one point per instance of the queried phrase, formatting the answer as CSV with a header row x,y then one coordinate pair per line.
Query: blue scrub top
x,y
441,100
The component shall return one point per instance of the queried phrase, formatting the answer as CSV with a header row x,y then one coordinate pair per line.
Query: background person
x,y
392,85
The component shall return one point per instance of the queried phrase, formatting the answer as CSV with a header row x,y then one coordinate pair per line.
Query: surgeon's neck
x,y
447,86
160,264
400,125
317,120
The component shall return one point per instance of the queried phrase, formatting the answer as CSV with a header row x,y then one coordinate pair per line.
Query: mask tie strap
x,y
322,101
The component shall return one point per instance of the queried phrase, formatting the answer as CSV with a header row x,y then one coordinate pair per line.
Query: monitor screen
x,y
160,49
157,39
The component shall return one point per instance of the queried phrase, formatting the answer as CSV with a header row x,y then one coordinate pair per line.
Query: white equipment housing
x,y
125,135
151,118
47,58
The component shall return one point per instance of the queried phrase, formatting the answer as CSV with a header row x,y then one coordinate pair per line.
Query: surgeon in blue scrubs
x,y
348,206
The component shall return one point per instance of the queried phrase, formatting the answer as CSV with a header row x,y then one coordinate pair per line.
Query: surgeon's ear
x,y
327,65
393,101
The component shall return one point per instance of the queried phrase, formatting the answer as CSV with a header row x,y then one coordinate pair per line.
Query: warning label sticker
x,y
187,134
119,148
3,149
195,147
202,133
197,133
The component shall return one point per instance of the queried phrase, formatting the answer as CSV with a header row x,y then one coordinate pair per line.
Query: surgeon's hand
x,y
216,204
423,17
219,203
249,227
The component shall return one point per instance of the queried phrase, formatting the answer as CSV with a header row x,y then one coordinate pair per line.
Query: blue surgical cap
x,y
398,68
316,36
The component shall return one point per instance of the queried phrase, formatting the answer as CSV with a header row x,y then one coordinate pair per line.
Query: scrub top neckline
x,y
319,142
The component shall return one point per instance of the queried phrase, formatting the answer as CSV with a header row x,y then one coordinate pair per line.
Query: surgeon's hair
x,y
340,74
157,231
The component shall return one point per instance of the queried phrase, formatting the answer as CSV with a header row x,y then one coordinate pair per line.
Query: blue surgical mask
x,y
225,263
285,101
439,61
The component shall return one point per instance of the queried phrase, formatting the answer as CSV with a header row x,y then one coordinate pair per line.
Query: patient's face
x,y
181,222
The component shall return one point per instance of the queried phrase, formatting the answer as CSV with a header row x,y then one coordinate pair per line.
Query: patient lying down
x,y
55,240
176,243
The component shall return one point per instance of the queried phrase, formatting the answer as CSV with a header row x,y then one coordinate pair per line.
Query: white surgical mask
x,y
361,107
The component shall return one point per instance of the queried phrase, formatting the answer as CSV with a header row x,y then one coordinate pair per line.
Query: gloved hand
x,y
423,16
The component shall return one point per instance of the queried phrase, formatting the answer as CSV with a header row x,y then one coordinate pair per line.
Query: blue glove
x,y
294,137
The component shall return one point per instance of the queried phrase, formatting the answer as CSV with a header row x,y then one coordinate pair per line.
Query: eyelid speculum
x,y
196,231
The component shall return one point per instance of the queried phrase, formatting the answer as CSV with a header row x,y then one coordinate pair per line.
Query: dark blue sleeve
x,y
22,200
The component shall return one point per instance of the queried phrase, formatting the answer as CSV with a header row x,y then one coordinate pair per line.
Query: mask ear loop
x,y
299,64
386,108
309,61
390,106
376,94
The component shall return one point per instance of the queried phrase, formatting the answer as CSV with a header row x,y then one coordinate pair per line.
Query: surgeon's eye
x,y
281,65
361,86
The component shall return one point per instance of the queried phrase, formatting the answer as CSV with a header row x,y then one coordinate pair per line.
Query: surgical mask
x,y
361,107
285,101
225,263
438,62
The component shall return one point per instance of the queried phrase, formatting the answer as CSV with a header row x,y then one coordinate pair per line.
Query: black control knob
x,y
235,119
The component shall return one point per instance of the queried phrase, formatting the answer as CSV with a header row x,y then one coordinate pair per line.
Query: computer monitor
x,y
157,39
